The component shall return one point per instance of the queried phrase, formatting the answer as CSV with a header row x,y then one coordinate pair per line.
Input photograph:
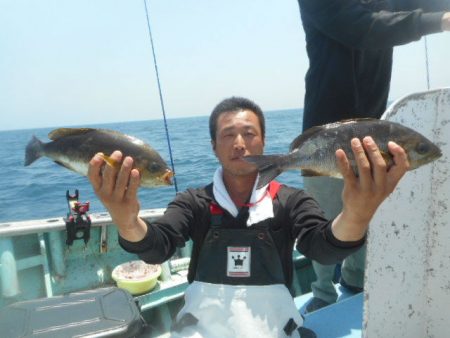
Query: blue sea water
x,y
39,190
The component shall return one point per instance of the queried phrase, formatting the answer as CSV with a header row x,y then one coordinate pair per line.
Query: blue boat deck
x,y
340,320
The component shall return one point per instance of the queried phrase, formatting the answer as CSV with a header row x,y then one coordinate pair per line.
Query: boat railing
x,y
35,260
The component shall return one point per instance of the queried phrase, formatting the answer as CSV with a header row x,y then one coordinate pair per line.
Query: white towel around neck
x,y
257,212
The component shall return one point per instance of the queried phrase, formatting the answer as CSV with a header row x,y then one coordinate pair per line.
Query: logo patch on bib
x,y
238,262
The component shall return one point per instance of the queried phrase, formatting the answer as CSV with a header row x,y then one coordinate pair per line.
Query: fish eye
x,y
422,148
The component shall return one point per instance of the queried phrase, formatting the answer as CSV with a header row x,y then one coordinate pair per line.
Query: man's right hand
x,y
117,187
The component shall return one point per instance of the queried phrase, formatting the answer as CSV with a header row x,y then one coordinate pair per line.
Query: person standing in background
x,y
350,49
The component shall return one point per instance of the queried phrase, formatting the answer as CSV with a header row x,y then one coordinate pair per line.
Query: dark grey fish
x,y
73,148
313,152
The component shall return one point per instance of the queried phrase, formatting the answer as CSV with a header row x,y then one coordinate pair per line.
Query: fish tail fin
x,y
33,151
268,167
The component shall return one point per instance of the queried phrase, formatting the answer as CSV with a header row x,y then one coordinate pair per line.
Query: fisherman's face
x,y
238,134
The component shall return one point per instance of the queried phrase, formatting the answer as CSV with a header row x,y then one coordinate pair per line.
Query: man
x,y
241,266
350,47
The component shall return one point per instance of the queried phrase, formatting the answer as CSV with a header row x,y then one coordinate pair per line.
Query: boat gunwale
x,y
18,228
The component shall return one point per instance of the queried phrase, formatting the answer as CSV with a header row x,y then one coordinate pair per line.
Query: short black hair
x,y
235,104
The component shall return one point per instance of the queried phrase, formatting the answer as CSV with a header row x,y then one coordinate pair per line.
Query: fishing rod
x,y
160,95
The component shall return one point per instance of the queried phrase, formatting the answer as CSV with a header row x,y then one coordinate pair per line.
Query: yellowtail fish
x,y
313,151
73,148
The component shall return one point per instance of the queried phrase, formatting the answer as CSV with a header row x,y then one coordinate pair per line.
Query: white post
x,y
407,289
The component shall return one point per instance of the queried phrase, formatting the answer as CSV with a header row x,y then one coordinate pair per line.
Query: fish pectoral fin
x,y
109,161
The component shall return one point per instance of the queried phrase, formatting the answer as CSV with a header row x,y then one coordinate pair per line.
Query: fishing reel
x,y
78,222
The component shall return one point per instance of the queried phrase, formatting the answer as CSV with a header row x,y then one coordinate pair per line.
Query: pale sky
x,y
72,62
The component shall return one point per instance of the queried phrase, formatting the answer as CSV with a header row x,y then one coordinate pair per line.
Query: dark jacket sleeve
x,y
165,234
313,232
359,26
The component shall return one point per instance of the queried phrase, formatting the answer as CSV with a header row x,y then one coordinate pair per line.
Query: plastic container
x,y
106,312
136,277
